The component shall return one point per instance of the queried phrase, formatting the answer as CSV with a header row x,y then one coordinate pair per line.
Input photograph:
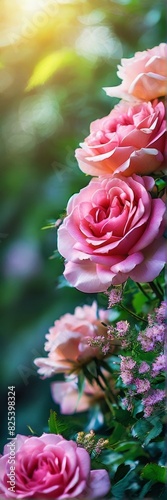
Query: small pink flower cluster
x,y
114,228
107,343
159,365
155,397
133,372
114,297
154,335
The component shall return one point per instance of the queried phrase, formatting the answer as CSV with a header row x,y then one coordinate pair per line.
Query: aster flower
x,y
122,327
159,365
114,297
144,367
142,385
154,397
127,363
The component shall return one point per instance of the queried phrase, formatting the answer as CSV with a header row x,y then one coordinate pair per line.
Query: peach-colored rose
x,y
49,466
143,76
113,231
66,395
67,342
131,139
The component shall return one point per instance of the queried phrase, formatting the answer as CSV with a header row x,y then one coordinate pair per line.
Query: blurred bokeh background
x,y
56,55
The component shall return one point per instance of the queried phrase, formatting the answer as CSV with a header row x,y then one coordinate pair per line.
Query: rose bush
x,y
113,230
67,344
143,76
131,139
51,467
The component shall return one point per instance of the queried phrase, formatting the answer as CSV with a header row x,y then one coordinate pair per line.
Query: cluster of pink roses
x,y
114,228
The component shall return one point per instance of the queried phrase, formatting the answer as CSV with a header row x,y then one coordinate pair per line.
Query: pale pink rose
x,y
68,345
131,139
66,395
143,76
113,230
49,466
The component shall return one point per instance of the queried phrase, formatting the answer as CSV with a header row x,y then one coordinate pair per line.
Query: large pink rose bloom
x,y
113,230
131,139
143,76
67,342
51,467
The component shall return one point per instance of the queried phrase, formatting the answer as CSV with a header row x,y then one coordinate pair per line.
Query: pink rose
x,y
68,345
131,139
66,395
51,467
113,230
143,76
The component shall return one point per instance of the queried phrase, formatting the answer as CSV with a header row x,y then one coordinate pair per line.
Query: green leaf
x,y
155,431
114,363
49,65
145,490
146,430
141,428
125,446
97,464
138,407
118,434
154,472
138,302
121,472
124,416
56,424
92,368
118,490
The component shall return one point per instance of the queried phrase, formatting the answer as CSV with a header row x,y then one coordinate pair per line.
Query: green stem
x,y
160,287
143,291
110,406
110,393
155,289
132,314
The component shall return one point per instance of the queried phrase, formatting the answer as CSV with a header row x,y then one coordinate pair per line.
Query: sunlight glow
x,y
32,5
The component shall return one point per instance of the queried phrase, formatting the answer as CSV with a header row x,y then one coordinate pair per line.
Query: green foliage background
x,y
54,63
